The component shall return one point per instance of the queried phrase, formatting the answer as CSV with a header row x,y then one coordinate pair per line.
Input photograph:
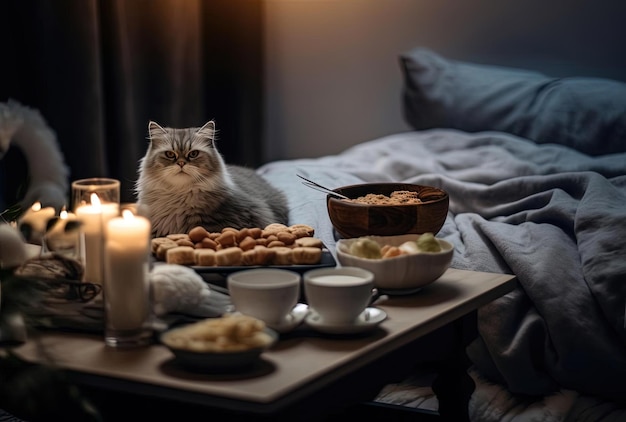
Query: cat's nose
x,y
181,164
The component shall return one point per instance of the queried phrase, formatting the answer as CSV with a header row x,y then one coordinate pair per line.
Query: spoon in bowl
x,y
311,184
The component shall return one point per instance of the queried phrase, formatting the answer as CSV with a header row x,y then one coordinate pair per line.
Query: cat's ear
x,y
207,131
154,130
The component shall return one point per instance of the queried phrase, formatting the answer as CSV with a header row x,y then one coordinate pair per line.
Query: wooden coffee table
x,y
306,373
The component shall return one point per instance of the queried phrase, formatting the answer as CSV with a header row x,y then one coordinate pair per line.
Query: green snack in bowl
x,y
427,243
365,248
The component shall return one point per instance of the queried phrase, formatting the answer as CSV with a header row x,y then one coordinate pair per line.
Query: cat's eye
x,y
193,154
170,154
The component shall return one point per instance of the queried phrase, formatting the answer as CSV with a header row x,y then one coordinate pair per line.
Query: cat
x,y
184,182
48,175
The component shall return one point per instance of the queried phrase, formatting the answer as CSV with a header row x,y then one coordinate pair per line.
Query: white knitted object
x,y
179,289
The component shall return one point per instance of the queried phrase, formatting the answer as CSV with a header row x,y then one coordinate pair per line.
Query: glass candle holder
x,y
95,201
107,190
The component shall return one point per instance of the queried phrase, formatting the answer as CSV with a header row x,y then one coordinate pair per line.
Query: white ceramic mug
x,y
338,295
269,294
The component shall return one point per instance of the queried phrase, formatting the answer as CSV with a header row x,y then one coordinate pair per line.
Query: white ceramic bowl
x,y
402,274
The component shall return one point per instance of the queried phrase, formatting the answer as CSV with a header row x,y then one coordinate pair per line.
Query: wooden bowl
x,y
352,219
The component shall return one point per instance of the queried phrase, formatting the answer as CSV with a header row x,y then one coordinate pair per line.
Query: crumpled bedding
x,y
554,217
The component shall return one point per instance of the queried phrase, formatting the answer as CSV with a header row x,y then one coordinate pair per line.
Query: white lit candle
x,y
126,288
37,218
94,217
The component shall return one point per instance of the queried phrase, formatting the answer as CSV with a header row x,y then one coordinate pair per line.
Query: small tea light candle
x,y
59,238
126,288
37,218
94,217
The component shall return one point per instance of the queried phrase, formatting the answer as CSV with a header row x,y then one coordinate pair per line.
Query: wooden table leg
x,y
453,385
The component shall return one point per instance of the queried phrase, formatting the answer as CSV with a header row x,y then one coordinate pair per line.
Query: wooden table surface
x,y
301,363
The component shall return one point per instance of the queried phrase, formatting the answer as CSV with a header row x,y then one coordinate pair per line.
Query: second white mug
x,y
338,295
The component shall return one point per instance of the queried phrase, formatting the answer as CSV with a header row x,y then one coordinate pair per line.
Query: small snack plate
x,y
369,319
226,361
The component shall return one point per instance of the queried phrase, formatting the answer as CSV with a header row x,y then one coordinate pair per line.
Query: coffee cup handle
x,y
376,294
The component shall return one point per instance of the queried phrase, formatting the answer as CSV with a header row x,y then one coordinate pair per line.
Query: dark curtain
x,y
99,70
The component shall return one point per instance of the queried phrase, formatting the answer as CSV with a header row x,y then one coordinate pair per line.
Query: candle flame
x,y
36,206
128,214
95,201
63,214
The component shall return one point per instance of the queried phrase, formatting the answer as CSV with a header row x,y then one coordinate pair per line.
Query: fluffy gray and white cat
x,y
184,182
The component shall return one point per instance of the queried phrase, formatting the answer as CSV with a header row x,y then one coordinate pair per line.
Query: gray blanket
x,y
552,216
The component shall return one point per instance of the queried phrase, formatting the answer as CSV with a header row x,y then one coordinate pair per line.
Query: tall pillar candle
x,y
94,216
126,286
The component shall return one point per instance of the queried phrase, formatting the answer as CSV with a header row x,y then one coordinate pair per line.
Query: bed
x,y
535,167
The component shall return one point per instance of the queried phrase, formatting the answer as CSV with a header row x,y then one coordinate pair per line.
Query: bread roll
x,y
306,255
162,249
255,232
185,242
157,241
264,255
205,257
208,243
182,255
309,242
302,230
228,257
177,236
227,239
198,233
242,234
249,258
274,229
247,243
283,255
286,237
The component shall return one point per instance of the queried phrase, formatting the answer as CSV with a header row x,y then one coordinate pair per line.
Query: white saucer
x,y
295,318
369,319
